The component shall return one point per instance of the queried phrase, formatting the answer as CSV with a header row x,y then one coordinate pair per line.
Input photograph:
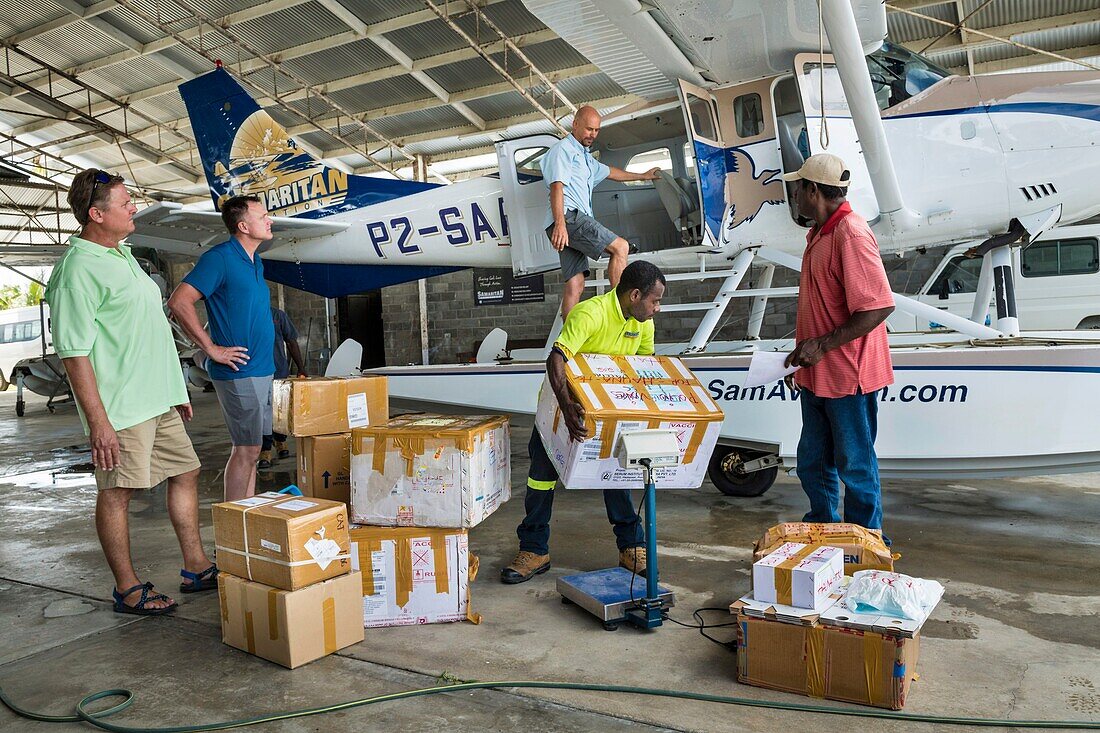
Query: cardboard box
x,y
324,466
290,627
625,393
283,541
863,548
797,575
430,471
413,576
853,665
327,405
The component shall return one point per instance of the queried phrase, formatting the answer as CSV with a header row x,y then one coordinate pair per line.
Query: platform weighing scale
x,y
616,595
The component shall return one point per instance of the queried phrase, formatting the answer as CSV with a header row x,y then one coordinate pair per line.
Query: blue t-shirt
x,y
570,163
238,305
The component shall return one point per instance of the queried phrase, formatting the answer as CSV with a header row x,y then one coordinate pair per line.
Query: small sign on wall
x,y
501,287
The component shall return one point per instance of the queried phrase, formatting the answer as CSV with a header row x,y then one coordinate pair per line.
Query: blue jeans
x,y
534,530
838,444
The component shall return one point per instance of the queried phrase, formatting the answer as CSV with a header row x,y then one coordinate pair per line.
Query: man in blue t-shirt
x,y
241,342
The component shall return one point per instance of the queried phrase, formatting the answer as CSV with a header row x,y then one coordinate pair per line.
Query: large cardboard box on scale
x,y
863,548
625,393
326,405
413,576
283,541
324,466
291,627
430,471
799,575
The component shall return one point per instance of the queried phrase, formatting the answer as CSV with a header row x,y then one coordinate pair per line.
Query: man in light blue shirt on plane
x,y
570,173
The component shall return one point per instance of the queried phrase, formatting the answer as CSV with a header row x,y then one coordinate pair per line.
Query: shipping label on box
x,y
863,548
412,575
622,394
851,665
291,627
327,405
324,466
282,541
430,471
797,575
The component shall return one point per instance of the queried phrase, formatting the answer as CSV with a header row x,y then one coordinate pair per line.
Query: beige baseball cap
x,y
823,168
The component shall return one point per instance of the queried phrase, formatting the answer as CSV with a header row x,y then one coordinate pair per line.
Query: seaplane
x,y
997,160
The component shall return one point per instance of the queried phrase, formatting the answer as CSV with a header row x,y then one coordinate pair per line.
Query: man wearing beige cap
x,y
844,299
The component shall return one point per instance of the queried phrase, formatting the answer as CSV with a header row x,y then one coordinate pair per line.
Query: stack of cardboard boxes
x,y
418,484
794,632
287,589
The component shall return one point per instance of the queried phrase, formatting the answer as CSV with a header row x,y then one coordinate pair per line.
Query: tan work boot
x,y
281,450
265,460
633,559
525,566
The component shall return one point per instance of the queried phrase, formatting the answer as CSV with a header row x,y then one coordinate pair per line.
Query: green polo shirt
x,y
103,306
598,326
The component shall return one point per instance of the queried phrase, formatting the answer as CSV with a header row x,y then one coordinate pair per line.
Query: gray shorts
x,y
246,405
587,239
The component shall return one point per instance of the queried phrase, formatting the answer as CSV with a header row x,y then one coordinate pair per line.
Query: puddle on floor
x,y
78,474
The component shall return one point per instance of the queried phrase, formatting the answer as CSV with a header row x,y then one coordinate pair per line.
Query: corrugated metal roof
x,y
1049,40
905,27
290,27
340,62
22,15
71,45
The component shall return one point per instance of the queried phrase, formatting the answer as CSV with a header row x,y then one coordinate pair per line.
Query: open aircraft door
x,y
814,75
701,123
525,203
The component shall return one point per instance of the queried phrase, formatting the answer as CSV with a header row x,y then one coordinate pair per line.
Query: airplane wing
x,y
699,41
169,227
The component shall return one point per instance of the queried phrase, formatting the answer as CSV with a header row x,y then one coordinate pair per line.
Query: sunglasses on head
x,y
101,177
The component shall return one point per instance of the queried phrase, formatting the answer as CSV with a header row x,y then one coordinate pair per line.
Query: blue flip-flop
x,y
206,580
139,608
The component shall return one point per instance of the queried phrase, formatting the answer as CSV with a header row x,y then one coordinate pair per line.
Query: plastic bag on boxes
x,y
891,594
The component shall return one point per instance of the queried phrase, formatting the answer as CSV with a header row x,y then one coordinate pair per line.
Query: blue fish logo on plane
x,y
245,151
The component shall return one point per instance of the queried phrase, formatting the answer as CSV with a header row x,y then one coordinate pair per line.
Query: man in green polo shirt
x,y
112,336
616,323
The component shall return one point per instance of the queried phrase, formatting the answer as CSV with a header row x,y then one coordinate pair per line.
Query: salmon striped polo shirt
x,y
842,274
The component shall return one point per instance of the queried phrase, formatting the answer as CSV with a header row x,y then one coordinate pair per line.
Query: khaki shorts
x,y
149,453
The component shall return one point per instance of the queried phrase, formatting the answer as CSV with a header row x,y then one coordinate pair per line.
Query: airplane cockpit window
x,y
529,164
702,117
642,162
689,160
748,115
898,74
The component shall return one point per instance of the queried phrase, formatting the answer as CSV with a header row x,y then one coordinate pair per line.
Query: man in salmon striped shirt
x,y
844,299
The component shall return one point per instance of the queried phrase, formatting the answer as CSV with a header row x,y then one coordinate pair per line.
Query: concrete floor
x,y
1017,634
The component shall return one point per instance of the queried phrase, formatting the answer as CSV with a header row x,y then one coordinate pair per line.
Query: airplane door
x,y
701,122
526,200
811,74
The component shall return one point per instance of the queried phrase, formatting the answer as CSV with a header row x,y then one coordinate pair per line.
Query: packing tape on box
x,y
328,616
273,614
872,668
249,633
784,578
275,561
402,539
223,601
698,432
815,661
473,563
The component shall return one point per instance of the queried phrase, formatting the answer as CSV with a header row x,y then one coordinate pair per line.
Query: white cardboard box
x,y
412,575
430,471
798,575
622,394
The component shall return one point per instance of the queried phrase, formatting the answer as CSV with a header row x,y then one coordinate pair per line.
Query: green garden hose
x,y
97,718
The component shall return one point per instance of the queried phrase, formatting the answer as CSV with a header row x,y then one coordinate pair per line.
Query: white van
x,y
1057,283
21,337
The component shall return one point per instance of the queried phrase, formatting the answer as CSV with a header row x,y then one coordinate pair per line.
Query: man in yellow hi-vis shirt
x,y
616,323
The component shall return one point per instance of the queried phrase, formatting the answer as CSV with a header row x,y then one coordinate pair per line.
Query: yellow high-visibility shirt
x,y
598,326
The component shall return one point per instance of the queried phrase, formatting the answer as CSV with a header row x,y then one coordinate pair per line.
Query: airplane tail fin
x,y
245,151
